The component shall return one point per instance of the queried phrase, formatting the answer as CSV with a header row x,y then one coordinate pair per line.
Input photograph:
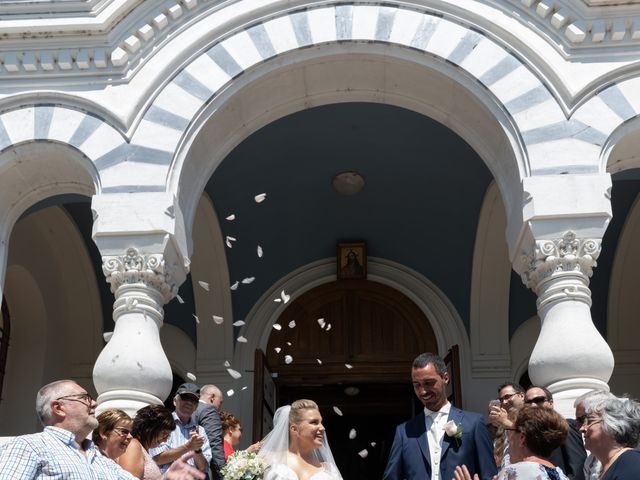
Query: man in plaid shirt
x,y
62,450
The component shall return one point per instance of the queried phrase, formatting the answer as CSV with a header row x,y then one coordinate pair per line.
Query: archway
x,y
349,344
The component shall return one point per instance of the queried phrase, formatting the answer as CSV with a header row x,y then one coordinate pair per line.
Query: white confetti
x,y
234,373
180,300
230,392
319,361
352,434
191,376
373,444
277,349
228,241
348,365
260,197
277,300
241,339
231,217
277,326
260,252
288,359
337,410
235,285
196,317
321,322
244,388
363,453
292,324
248,280
289,344
227,364
238,323
204,285
107,336
284,296
328,327
218,319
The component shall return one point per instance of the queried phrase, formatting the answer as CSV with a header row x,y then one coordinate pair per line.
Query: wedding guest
x,y
207,415
232,434
611,432
151,426
113,434
535,434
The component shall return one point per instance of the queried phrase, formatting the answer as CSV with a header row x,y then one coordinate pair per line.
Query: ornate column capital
x,y
134,267
566,254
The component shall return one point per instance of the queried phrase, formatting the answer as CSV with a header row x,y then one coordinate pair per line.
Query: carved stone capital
x,y
567,254
134,268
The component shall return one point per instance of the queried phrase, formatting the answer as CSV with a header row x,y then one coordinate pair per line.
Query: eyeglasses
x,y
512,429
123,432
590,422
507,397
84,398
580,420
537,400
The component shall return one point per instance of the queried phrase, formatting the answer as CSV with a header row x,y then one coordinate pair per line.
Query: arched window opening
x,y
4,340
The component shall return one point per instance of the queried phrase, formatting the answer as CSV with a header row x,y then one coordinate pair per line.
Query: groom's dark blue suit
x,y
410,458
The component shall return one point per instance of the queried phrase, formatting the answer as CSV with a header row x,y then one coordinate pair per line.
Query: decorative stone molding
x,y
135,268
567,254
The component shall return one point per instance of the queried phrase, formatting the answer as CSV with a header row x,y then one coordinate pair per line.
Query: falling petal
x,y
231,217
348,365
180,300
319,361
248,280
278,349
289,344
196,317
234,373
191,376
284,296
260,253
227,364
107,336
235,286
228,241
277,300
238,323
292,324
260,197
241,339
328,327
352,434
363,453
218,319
230,392
204,285
288,359
244,388
373,444
321,322
337,410
277,326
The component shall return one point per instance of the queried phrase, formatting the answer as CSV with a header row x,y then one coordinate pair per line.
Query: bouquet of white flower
x,y
243,465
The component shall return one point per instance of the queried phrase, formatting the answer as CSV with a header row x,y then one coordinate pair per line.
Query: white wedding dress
x,y
281,471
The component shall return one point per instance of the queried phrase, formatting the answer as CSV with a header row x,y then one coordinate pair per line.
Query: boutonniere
x,y
453,429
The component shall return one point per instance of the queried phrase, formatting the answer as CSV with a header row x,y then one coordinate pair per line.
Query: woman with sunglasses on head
x,y
535,434
113,435
611,432
152,425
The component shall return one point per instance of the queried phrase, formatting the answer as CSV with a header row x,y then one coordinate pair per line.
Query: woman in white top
x,y
297,447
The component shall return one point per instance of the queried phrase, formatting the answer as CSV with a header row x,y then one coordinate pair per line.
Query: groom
x,y
431,445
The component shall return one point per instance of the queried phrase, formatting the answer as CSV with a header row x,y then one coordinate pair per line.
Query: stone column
x,y
132,370
570,356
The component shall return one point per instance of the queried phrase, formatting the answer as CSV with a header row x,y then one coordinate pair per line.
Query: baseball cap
x,y
189,389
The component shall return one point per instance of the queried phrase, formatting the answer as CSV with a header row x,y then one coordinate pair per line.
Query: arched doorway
x,y
349,344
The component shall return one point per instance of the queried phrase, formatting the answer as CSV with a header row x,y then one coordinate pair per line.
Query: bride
x,y
297,447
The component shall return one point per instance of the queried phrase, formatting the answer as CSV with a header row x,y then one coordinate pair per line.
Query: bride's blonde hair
x,y
297,408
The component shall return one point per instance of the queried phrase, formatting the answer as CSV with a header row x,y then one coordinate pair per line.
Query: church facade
x,y
166,190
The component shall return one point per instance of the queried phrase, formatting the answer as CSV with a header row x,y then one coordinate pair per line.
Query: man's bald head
x,y
211,394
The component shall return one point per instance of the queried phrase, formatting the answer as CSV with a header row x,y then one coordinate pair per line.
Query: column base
x,y
128,400
566,391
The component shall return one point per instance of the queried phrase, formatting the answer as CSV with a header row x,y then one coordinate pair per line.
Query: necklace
x,y
611,461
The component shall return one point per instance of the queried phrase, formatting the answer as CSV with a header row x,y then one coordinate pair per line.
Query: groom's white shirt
x,y
435,436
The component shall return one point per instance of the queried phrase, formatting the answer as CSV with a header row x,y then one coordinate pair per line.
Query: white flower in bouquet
x,y
243,465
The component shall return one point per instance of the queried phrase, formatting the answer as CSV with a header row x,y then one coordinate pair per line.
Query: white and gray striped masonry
x,y
553,142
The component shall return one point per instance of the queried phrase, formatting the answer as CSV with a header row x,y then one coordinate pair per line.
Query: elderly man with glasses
x,y
63,450
569,456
